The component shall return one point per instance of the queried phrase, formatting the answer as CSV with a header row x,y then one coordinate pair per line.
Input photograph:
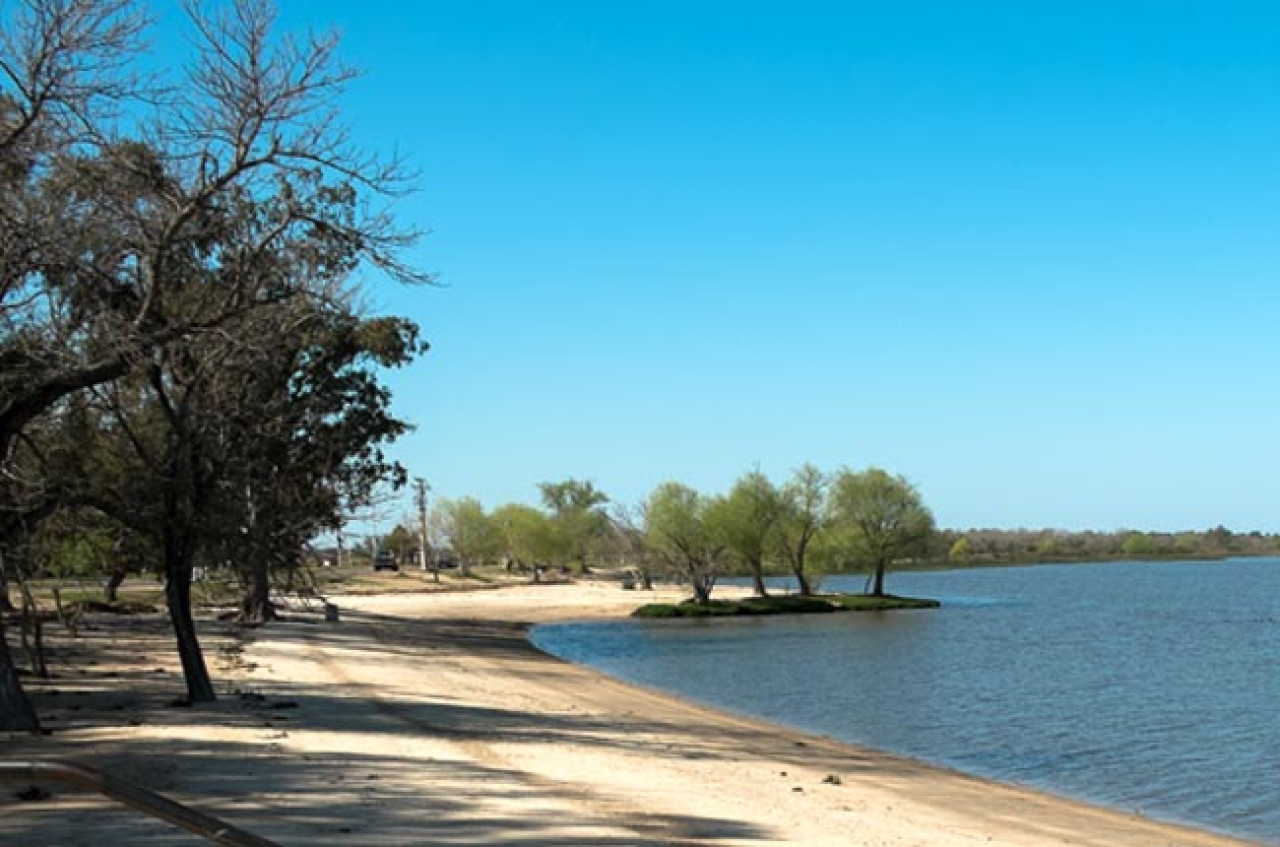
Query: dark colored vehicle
x,y
385,560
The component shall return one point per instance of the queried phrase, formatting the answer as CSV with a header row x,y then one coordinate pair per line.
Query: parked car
x,y
385,560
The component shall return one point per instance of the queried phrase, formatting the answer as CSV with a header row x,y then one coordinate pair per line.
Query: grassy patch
x,y
688,609
785,604
885,602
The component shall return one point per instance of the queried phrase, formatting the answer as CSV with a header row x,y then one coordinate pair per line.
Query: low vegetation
x,y
788,604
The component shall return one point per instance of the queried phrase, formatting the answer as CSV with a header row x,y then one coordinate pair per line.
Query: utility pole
x,y
420,489
377,514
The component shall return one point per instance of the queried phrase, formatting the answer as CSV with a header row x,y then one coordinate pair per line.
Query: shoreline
x,y
765,725
1121,827
856,749
433,718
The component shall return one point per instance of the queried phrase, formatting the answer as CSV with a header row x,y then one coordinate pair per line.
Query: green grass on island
x,y
784,604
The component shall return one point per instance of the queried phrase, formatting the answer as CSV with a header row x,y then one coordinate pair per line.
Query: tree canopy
x,y
176,290
879,518
685,528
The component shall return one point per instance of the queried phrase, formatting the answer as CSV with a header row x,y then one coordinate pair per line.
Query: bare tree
x,y
62,69
627,534
238,189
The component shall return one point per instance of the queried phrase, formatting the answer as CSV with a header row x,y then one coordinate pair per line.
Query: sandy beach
x,y
429,719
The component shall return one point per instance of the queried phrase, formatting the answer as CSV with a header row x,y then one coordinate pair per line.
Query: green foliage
x,y
684,528
471,533
571,496
175,287
689,609
529,537
881,603
578,517
1138,545
878,519
674,610
1009,546
787,604
801,523
748,523
400,541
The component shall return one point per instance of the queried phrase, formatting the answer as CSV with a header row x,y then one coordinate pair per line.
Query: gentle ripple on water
x,y
1148,686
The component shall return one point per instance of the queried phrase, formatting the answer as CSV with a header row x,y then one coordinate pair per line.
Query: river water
x,y
1138,685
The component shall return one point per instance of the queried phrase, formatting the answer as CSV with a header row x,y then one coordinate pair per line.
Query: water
x,y
1147,686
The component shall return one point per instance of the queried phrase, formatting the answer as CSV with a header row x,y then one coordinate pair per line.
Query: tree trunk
x,y
702,589
16,712
33,634
877,590
111,589
802,582
256,607
757,579
177,592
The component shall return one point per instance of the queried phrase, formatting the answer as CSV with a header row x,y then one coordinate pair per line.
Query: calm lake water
x,y
1148,686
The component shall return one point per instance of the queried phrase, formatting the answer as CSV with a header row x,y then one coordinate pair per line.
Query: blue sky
x,y
1024,254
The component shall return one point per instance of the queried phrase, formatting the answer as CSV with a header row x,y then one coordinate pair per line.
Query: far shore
x,y
426,718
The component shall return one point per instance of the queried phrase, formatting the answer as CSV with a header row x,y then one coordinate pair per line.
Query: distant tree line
x,y
187,379
811,524
1004,546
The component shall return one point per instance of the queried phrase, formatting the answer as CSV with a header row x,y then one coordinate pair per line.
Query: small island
x,y
787,604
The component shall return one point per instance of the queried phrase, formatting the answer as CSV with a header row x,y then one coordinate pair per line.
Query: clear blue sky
x,y
1025,254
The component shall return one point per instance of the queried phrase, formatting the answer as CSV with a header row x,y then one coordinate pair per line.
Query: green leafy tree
x,y
881,517
578,513
471,532
298,426
529,537
162,481
1138,545
750,517
684,528
801,522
